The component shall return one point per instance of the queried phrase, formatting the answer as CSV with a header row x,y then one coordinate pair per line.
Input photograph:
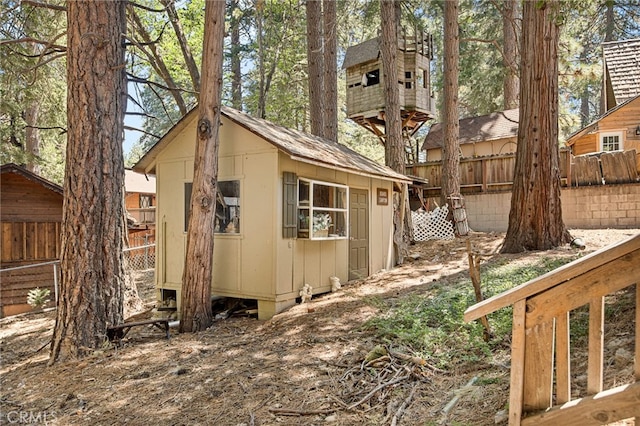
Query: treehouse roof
x,y
360,53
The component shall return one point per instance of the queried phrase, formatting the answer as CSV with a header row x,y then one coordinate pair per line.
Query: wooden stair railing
x,y
540,345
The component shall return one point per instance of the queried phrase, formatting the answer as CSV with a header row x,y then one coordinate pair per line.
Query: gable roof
x,y
497,125
360,53
19,170
572,138
298,145
622,68
139,182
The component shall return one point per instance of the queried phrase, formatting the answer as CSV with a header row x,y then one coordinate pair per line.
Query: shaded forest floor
x,y
309,365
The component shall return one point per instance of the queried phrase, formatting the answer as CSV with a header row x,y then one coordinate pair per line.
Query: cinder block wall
x,y
605,206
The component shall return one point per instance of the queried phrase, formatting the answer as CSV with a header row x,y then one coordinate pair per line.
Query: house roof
x,y
14,168
361,53
497,125
139,182
298,145
622,66
594,124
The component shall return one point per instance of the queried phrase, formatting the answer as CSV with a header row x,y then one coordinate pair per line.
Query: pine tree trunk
x,y
315,60
394,143
195,310
330,107
91,293
510,55
535,218
450,119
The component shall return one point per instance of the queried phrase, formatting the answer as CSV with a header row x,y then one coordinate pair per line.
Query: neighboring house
x,y
140,202
616,130
492,134
292,209
621,71
31,217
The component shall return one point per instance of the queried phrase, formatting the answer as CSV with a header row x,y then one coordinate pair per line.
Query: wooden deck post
x,y
518,341
596,346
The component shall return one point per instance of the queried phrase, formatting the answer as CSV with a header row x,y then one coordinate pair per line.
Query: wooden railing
x,y
540,347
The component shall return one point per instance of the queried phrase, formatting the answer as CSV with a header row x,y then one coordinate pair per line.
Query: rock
x,y
501,417
623,357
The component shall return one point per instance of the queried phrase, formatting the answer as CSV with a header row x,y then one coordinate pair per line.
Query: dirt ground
x,y
302,367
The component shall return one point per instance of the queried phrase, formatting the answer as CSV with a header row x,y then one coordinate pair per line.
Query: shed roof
x,y
14,168
298,145
594,124
497,125
139,182
360,53
622,66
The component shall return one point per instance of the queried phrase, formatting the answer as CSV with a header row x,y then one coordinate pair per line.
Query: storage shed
x,y
292,209
31,216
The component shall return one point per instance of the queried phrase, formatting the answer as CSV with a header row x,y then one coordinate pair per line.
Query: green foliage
x,y
432,324
38,297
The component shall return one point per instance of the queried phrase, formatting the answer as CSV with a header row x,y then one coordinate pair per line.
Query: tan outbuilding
x,y
292,209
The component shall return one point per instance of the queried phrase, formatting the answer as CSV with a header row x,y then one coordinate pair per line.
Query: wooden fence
x,y
495,173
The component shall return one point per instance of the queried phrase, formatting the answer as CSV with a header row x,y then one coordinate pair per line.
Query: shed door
x,y
358,234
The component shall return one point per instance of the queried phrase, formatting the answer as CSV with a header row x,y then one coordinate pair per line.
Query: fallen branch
x,y
377,388
416,360
293,412
447,408
403,407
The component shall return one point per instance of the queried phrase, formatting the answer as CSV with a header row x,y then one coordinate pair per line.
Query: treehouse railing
x,y
540,347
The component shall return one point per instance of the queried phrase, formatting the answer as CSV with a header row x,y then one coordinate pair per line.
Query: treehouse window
x,y
227,217
371,78
611,141
322,210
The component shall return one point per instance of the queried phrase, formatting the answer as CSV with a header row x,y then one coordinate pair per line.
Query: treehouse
x,y
365,84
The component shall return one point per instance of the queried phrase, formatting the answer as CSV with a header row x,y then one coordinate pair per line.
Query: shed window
x,y
227,217
371,78
322,210
611,141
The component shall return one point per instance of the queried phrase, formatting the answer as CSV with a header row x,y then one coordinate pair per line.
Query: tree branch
x,y
140,6
33,40
43,5
135,129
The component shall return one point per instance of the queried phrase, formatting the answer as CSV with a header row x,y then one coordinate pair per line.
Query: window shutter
x,y
289,205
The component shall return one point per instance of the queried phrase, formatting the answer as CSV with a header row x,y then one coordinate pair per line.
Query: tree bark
x,y
330,107
195,310
315,60
450,119
91,293
511,82
394,143
535,218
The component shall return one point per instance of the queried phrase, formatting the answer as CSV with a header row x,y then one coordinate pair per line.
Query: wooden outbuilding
x,y
140,203
292,209
31,217
365,83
